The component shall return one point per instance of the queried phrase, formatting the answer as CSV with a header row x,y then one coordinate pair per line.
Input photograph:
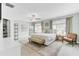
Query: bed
x,y
43,38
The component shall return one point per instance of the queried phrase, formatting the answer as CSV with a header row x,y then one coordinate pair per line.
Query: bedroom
x,y
41,22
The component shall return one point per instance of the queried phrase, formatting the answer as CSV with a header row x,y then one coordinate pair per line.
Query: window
x,y
38,28
31,28
59,26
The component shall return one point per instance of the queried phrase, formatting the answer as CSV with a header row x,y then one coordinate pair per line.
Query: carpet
x,y
50,50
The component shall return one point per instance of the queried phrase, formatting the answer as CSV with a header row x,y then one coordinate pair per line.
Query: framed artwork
x,y
46,26
6,28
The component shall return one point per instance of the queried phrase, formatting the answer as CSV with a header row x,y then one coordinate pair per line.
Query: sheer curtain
x,y
59,26
68,25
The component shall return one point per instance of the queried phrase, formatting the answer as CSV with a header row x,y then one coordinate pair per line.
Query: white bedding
x,y
49,38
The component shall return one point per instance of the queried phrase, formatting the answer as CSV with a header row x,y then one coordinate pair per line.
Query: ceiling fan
x,y
34,17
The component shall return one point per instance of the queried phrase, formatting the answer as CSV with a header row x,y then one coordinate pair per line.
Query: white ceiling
x,y
44,10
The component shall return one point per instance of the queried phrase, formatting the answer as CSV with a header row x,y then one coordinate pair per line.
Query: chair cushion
x,y
67,39
72,36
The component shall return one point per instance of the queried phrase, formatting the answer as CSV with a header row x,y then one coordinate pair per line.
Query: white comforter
x,y
49,38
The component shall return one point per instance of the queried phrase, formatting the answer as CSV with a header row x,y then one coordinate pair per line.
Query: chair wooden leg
x,y
75,42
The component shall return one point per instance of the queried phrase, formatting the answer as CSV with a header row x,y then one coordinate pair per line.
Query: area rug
x,y
50,50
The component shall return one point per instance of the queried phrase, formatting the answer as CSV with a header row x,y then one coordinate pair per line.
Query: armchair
x,y
71,37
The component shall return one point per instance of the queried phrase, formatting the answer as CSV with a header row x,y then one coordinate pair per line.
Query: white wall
x,y
12,14
23,29
75,25
7,14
